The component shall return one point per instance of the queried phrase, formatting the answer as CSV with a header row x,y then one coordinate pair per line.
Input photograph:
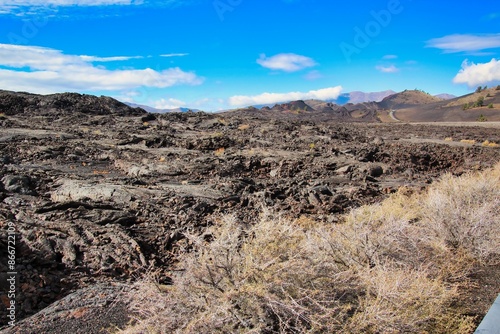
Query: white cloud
x,y
175,55
36,7
330,93
465,43
288,62
108,59
44,70
45,7
478,74
63,8
169,103
65,3
387,69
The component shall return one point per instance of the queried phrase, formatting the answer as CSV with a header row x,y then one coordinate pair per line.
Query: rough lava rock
x,y
100,192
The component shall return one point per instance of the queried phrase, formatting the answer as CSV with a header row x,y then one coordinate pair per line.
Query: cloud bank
x,y
330,93
478,74
44,70
287,62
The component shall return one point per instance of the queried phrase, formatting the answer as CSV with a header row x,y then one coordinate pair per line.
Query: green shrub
x,y
480,101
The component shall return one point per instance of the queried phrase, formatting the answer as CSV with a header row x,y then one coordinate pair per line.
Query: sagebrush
x,y
395,267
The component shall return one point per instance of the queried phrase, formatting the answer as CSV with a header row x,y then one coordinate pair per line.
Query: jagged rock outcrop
x,y
12,103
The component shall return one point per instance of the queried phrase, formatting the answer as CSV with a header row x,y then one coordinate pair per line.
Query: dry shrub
x,y
264,279
401,300
395,267
465,213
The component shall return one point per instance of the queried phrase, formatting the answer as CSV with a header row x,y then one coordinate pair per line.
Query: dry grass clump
x,y
488,143
220,151
395,267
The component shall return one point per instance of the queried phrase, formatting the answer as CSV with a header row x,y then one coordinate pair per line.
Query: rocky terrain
x,y
100,192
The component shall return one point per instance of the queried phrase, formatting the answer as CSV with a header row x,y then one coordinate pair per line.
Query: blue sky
x,y
221,54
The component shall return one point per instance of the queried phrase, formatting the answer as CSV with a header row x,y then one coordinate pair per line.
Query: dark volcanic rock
x,y
12,103
98,199
21,184
92,310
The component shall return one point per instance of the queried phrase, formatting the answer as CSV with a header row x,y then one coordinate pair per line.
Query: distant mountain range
x,y
409,105
355,97
159,111
360,97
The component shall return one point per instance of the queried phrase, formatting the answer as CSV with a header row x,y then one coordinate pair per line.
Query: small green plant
x,y
482,118
468,106
480,101
490,105
479,89
498,87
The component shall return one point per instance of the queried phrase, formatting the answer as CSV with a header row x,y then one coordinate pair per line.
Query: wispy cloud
x,y
61,7
63,3
478,74
465,43
53,8
44,70
330,93
387,69
108,59
288,62
388,57
168,55
313,75
491,16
